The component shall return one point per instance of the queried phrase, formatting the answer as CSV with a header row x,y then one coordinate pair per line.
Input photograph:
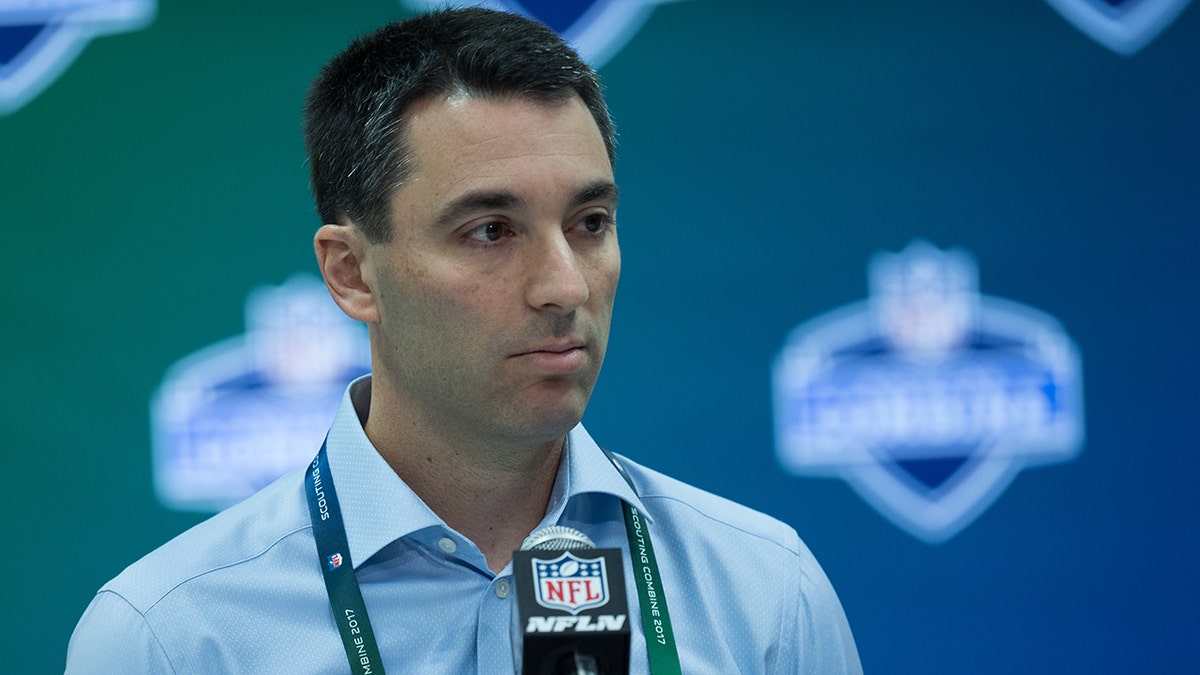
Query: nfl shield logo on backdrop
x,y
597,29
38,40
235,415
1124,26
571,583
928,398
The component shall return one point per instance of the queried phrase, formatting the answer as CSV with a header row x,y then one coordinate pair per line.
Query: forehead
x,y
454,139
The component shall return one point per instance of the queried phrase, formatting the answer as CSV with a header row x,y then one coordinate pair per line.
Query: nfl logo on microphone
x,y
570,583
570,603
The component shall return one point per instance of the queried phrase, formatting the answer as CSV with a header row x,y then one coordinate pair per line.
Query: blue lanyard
x,y
350,613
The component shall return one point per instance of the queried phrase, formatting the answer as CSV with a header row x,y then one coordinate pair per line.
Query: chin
x,y
543,424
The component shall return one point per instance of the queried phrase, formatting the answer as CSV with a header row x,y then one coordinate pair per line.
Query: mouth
x,y
555,347
555,358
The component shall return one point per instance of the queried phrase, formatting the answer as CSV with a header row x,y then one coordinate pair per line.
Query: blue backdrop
x,y
766,151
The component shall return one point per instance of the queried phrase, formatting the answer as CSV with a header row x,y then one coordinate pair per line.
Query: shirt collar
x,y
589,470
379,508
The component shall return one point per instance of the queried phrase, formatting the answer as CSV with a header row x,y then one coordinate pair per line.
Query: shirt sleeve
x,y
113,637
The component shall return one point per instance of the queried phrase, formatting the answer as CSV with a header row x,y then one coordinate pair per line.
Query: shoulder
x,y
235,537
742,542
751,570
708,514
198,604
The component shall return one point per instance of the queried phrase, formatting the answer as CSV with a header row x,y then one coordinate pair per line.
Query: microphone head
x,y
557,538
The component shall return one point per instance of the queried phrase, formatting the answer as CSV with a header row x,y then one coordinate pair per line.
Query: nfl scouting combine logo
x,y
1124,26
40,38
597,29
927,398
238,414
570,583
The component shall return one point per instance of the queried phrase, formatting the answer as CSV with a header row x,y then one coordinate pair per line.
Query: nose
x,y
556,279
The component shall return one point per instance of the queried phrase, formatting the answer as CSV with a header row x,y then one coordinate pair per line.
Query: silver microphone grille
x,y
557,538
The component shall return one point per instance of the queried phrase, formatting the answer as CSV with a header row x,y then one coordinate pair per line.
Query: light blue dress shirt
x,y
243,591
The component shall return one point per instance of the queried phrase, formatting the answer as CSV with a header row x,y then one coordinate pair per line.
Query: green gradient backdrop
x,y
767,149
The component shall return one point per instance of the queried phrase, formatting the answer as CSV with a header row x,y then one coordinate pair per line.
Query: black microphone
x,y
571,615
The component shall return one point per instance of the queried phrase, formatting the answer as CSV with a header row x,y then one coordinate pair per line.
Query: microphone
x,y
571,615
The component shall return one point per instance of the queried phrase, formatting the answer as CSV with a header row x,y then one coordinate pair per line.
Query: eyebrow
x,y
601,191
476,201
484,200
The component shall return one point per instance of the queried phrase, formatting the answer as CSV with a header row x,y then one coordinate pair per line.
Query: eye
x,y
596,223
490,232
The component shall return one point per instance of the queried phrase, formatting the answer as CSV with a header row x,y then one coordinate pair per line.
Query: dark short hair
x,y
355,111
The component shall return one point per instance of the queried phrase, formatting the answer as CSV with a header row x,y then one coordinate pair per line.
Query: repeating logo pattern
x,y
570,582
39,39
928,398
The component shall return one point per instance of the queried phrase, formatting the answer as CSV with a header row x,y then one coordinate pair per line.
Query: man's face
x,y
496,289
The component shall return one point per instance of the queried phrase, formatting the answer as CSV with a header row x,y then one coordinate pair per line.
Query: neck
x,y
494,494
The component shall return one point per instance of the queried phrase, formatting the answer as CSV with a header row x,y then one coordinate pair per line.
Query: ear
x,y
343,256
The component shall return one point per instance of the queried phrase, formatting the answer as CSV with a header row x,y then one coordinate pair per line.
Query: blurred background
x,y
767,151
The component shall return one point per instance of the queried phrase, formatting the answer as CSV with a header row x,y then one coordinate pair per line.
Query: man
x,y
462,164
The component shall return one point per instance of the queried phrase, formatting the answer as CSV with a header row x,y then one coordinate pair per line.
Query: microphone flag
x,y
570,603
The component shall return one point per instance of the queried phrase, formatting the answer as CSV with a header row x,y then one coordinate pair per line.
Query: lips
x,y
555,347
560,357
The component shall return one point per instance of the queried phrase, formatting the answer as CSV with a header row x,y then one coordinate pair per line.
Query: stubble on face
x,y
496,342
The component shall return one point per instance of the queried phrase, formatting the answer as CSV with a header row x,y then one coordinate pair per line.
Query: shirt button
x,y
502,588
447,544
